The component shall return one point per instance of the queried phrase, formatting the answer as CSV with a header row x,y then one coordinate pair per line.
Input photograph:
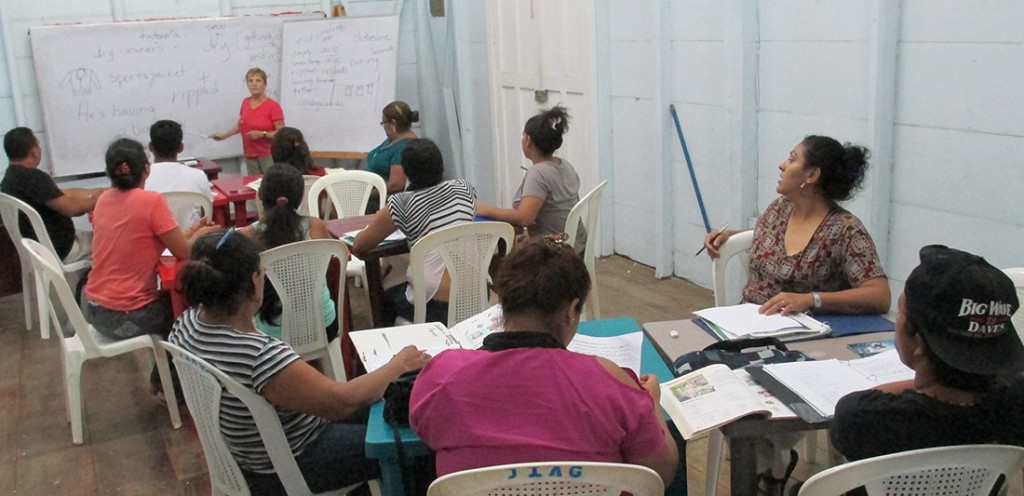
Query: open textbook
x,y
821,383
713,396
743,320
377,346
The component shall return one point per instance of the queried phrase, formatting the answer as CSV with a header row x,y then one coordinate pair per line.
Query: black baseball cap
x,y
963,306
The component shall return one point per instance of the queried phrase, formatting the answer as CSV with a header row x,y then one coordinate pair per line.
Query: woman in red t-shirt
x,y
259,119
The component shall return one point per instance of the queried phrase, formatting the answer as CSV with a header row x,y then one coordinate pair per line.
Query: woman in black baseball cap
x,y
954,330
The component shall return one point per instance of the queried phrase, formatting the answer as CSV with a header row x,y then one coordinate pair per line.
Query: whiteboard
x,y
99,82
341,74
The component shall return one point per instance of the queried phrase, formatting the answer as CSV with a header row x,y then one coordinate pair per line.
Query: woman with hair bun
x,y
281,193
131,229
809,253
386,160
224,282
290,147
550,187
522,397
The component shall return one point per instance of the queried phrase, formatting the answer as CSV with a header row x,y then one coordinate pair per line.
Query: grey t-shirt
x,y
559,187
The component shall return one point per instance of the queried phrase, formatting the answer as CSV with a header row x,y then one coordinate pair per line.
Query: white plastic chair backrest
x,y
961,470
202,392
1017,276
551,478
587,210
304,208
738,247
348,191
466,250
9,209
183,205
267,420
298,272
49,274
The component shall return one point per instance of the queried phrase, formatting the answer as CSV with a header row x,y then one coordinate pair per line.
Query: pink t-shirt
x,y
479,408
261,118
126,247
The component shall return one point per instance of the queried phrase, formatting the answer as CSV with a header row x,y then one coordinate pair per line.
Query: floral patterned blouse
x,y
840,255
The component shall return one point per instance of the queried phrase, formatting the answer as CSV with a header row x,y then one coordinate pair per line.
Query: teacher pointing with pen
x,y
258,120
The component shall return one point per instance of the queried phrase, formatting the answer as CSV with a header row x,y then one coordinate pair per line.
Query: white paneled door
x,y
541,54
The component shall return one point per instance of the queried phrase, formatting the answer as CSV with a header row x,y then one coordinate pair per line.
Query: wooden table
x,y
236,191
744,433
374,284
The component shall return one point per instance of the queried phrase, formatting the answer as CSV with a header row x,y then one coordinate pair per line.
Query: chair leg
x,y
43,304
594,302
715,442
26,294
73,384
160,356
333,364
811,446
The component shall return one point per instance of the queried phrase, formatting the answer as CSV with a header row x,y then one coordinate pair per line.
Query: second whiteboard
x,y
341,74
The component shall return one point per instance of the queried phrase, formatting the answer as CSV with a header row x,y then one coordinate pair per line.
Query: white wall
x,y
933,86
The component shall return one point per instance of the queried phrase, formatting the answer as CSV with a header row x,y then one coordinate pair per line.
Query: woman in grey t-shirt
x,y
550,188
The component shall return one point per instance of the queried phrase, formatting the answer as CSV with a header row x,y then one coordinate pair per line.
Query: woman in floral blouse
x,y
809,253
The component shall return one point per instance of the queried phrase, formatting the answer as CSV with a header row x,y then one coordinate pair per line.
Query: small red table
x,y
236,191
167,270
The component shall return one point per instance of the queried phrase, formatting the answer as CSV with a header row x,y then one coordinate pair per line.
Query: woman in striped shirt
x,y
224,283
428,204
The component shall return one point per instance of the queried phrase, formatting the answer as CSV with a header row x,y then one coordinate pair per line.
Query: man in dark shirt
x,y
24,181
954,329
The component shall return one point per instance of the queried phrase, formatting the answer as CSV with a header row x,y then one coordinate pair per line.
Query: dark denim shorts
x,y
155,317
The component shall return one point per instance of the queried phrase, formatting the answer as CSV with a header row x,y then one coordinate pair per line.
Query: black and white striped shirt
x,y
251,358
421,212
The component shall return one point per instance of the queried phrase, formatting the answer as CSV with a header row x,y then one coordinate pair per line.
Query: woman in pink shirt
x,y
258,120
131,228
523,397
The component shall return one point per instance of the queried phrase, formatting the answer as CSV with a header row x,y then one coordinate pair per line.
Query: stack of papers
x,y
740,321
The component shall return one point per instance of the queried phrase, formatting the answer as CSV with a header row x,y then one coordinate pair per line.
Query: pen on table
x,y
702,248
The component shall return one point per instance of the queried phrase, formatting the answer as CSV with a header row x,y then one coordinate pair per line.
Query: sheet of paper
x,y
744,320
883,368
395,236
472,331
820,382
377,346
623,349
255,185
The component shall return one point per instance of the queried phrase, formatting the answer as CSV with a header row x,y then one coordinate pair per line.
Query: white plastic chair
x,y
184,205
466,250
86,343
1017,276
588,210
551,478
298,271
203,385
304,207
348,193
9,209
950,470
737,247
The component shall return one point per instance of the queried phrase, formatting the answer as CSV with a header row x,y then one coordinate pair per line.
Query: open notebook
x,y
377,346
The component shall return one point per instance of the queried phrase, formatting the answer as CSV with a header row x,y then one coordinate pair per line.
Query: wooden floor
x,y
130,447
